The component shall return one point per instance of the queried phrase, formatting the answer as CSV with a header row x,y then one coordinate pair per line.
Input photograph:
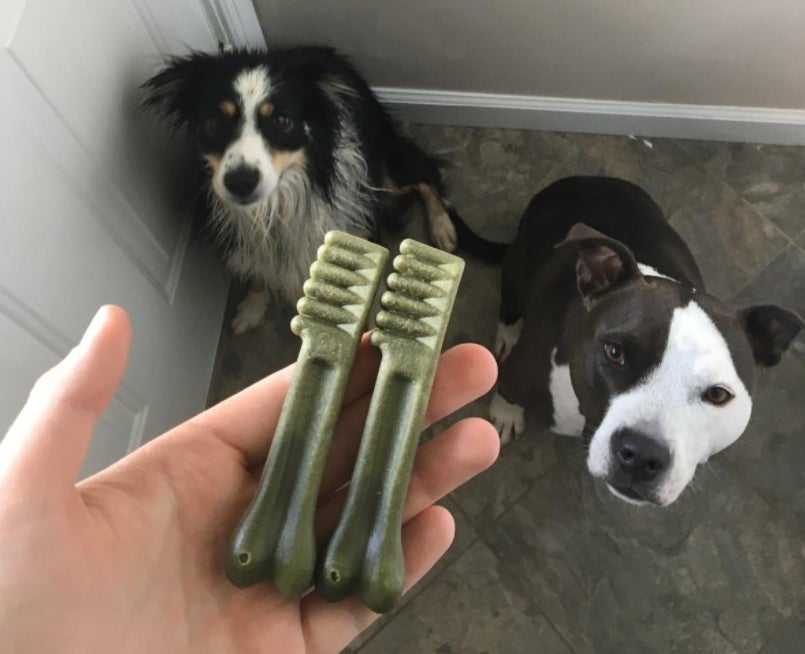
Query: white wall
x,y
711,52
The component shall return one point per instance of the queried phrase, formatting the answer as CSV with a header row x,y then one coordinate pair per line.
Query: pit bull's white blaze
x,y
667,405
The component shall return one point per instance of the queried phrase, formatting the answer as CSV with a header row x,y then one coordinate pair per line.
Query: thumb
x,y
49,439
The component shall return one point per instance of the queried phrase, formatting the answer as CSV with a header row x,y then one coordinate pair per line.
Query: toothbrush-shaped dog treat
x,y
275,538
365,552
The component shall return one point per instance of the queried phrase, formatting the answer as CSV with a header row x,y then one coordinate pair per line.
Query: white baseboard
x,y
708,122
237,22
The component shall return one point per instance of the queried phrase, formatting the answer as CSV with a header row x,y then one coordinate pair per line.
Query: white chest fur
x,y
567,420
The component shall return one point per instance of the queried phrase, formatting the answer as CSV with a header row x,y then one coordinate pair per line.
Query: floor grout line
x,y
496,521
751,279
790,241
740,195
785,516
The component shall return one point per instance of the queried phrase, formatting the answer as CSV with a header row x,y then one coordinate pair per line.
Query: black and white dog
x,y
606,331
295,144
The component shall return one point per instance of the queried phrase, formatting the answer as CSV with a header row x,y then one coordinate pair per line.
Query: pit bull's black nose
x,y
639,457
242,181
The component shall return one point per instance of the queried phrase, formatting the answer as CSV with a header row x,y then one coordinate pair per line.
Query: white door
x,y
87,213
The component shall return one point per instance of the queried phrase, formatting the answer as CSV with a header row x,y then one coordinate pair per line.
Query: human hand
x,y
132,559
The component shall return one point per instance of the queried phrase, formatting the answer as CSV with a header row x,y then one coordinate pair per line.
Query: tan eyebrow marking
x,y
228,108
265,109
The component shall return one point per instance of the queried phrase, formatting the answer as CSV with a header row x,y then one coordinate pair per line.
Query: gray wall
x,y
713,52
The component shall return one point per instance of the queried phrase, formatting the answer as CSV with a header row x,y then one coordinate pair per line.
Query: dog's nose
x,y
242,181
640,457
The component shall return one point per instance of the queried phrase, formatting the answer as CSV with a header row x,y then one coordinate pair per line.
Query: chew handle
x,y
365,552
275,538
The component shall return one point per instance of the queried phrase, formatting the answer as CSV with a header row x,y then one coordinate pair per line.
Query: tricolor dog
x,y
293,143
606,331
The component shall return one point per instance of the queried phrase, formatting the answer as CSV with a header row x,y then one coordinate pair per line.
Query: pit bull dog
x,y
606,331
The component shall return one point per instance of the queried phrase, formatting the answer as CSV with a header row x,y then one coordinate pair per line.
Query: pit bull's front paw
x,y
251,312
508,418
506,338
443,232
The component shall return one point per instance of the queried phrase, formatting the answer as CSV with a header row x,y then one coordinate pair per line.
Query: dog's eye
x,y
717,395
228,110
614,352
282,122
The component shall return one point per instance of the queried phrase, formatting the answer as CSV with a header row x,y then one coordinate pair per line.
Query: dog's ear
x,y
170,91
770,330
602,263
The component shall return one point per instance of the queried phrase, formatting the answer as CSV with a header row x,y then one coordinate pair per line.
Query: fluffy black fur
x,y
350,167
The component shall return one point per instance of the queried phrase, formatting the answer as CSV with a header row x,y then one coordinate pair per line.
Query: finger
x,y
246,421
331,627
48,441
465,373
441,465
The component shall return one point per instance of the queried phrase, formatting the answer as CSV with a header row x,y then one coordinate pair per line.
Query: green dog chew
x,y
275,538
365,553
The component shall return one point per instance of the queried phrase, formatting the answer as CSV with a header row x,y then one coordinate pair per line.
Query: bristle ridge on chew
x,y
401,326
401,302
414,288
330,293
345,258
408,265
340,283
332,274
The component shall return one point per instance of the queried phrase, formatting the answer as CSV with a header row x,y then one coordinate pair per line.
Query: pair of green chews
x,y
275,539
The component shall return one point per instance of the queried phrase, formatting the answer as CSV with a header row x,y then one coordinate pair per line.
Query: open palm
x,y
131,559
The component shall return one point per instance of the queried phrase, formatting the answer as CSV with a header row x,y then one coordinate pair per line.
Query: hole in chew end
x,y
244,558
334,576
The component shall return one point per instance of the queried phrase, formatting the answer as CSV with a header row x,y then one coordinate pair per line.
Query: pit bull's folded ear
x,y
602,264
770,330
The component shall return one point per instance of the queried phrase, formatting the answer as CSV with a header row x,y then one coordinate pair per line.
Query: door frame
x,y
235,23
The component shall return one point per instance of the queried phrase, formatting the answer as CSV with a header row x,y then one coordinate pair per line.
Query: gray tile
x,y
493,173
770,177
520,463
771,453
790,639
465,536
243,360
658,166
782,282
699,576
730,240
471,608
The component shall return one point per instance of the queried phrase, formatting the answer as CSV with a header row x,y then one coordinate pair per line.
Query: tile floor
x,y
545,560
